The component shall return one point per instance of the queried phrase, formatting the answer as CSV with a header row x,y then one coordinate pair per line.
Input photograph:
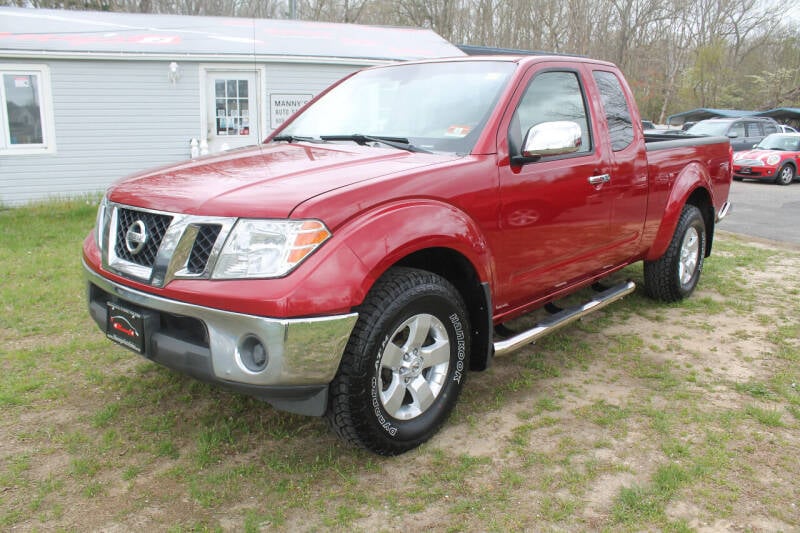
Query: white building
x,y
87,98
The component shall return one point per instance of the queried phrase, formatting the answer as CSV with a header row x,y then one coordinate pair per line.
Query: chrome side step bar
x,y
562,318
723,211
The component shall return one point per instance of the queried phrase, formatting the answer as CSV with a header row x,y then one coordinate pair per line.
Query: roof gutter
x,y
206,58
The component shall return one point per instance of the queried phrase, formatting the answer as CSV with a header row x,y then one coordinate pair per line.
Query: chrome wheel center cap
x,y
412,365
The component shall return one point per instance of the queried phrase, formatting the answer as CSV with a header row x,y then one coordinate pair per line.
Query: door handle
x,y
599,180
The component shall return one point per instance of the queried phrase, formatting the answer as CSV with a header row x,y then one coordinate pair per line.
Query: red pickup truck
x,y
358,263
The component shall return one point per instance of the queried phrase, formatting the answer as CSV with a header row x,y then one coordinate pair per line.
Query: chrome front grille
x,y
128,234
203,245
156,247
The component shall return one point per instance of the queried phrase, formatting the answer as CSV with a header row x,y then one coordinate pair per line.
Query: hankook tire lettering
x,y
460,347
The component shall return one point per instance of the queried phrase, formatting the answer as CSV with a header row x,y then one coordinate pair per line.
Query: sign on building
x,y
282,106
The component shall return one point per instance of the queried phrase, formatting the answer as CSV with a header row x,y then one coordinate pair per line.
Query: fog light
x,y
253,354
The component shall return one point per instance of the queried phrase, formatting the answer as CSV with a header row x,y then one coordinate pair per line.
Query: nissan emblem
x,y
136,237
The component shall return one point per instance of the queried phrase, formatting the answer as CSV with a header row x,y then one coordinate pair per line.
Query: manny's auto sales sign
x,y
283,106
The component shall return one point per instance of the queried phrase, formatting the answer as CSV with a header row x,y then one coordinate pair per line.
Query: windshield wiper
x,y
295,138
401,143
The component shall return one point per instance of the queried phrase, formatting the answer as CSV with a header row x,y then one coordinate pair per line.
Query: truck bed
x,y
662,141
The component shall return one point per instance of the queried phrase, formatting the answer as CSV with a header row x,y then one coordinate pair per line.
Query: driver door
x,y
555,212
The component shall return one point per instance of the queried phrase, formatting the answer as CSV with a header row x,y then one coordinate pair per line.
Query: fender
x,y
692,177
382,237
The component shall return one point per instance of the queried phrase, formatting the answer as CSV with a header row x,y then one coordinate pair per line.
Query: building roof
x,y
704,112
783,114
27,32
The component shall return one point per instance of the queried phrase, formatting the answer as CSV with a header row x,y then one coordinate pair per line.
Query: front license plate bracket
x,y
128,326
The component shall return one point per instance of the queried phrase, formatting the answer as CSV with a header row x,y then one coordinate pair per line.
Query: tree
x,y
676,54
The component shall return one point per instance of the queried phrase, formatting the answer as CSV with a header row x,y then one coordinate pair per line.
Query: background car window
x,y
738,127
770,128
618,116
709,127
551,96
753,129
780,141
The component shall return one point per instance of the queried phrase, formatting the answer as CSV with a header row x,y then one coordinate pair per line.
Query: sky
x,y
793,14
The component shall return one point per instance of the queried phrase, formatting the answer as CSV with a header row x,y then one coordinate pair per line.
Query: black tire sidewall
x,y
453,317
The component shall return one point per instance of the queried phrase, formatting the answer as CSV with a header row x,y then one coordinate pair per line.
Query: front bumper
x,y
755,172
303,354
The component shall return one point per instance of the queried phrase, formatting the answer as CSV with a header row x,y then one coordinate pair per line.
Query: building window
x,y
26,119
233,115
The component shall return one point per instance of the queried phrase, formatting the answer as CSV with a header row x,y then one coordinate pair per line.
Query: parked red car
x,y
776,158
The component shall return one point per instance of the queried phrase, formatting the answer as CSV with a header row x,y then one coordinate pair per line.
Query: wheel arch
x,y
701,199
436,237
691,186
459,271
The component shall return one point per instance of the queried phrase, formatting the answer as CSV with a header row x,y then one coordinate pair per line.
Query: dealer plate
x,y
126,327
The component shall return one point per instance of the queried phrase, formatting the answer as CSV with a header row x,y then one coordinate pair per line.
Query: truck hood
x,y
266,181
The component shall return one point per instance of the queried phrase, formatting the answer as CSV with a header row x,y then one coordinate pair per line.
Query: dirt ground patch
x,y
641,417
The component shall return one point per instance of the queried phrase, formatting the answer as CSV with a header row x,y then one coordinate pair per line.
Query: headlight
x,y
101,223
268,248
773,159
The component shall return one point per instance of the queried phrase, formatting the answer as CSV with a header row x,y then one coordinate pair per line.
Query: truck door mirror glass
x,y
552,138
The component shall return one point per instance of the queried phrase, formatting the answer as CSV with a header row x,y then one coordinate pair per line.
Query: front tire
x,y
785,175
404,365
674,276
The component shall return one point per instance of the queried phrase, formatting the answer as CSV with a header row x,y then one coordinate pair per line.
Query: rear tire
x,y
404,365
674,275
785,175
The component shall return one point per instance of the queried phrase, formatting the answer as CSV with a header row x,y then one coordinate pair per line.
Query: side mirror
x,y
732,134
552,138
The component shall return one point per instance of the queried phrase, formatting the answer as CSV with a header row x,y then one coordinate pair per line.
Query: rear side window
x,y
618,116
551,96
770,128
753,129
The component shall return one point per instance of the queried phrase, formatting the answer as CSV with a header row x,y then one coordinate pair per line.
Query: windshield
x,y
435,106
776,141
709,128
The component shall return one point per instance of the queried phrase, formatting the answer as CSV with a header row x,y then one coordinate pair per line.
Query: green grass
x,y
768,417
642,417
